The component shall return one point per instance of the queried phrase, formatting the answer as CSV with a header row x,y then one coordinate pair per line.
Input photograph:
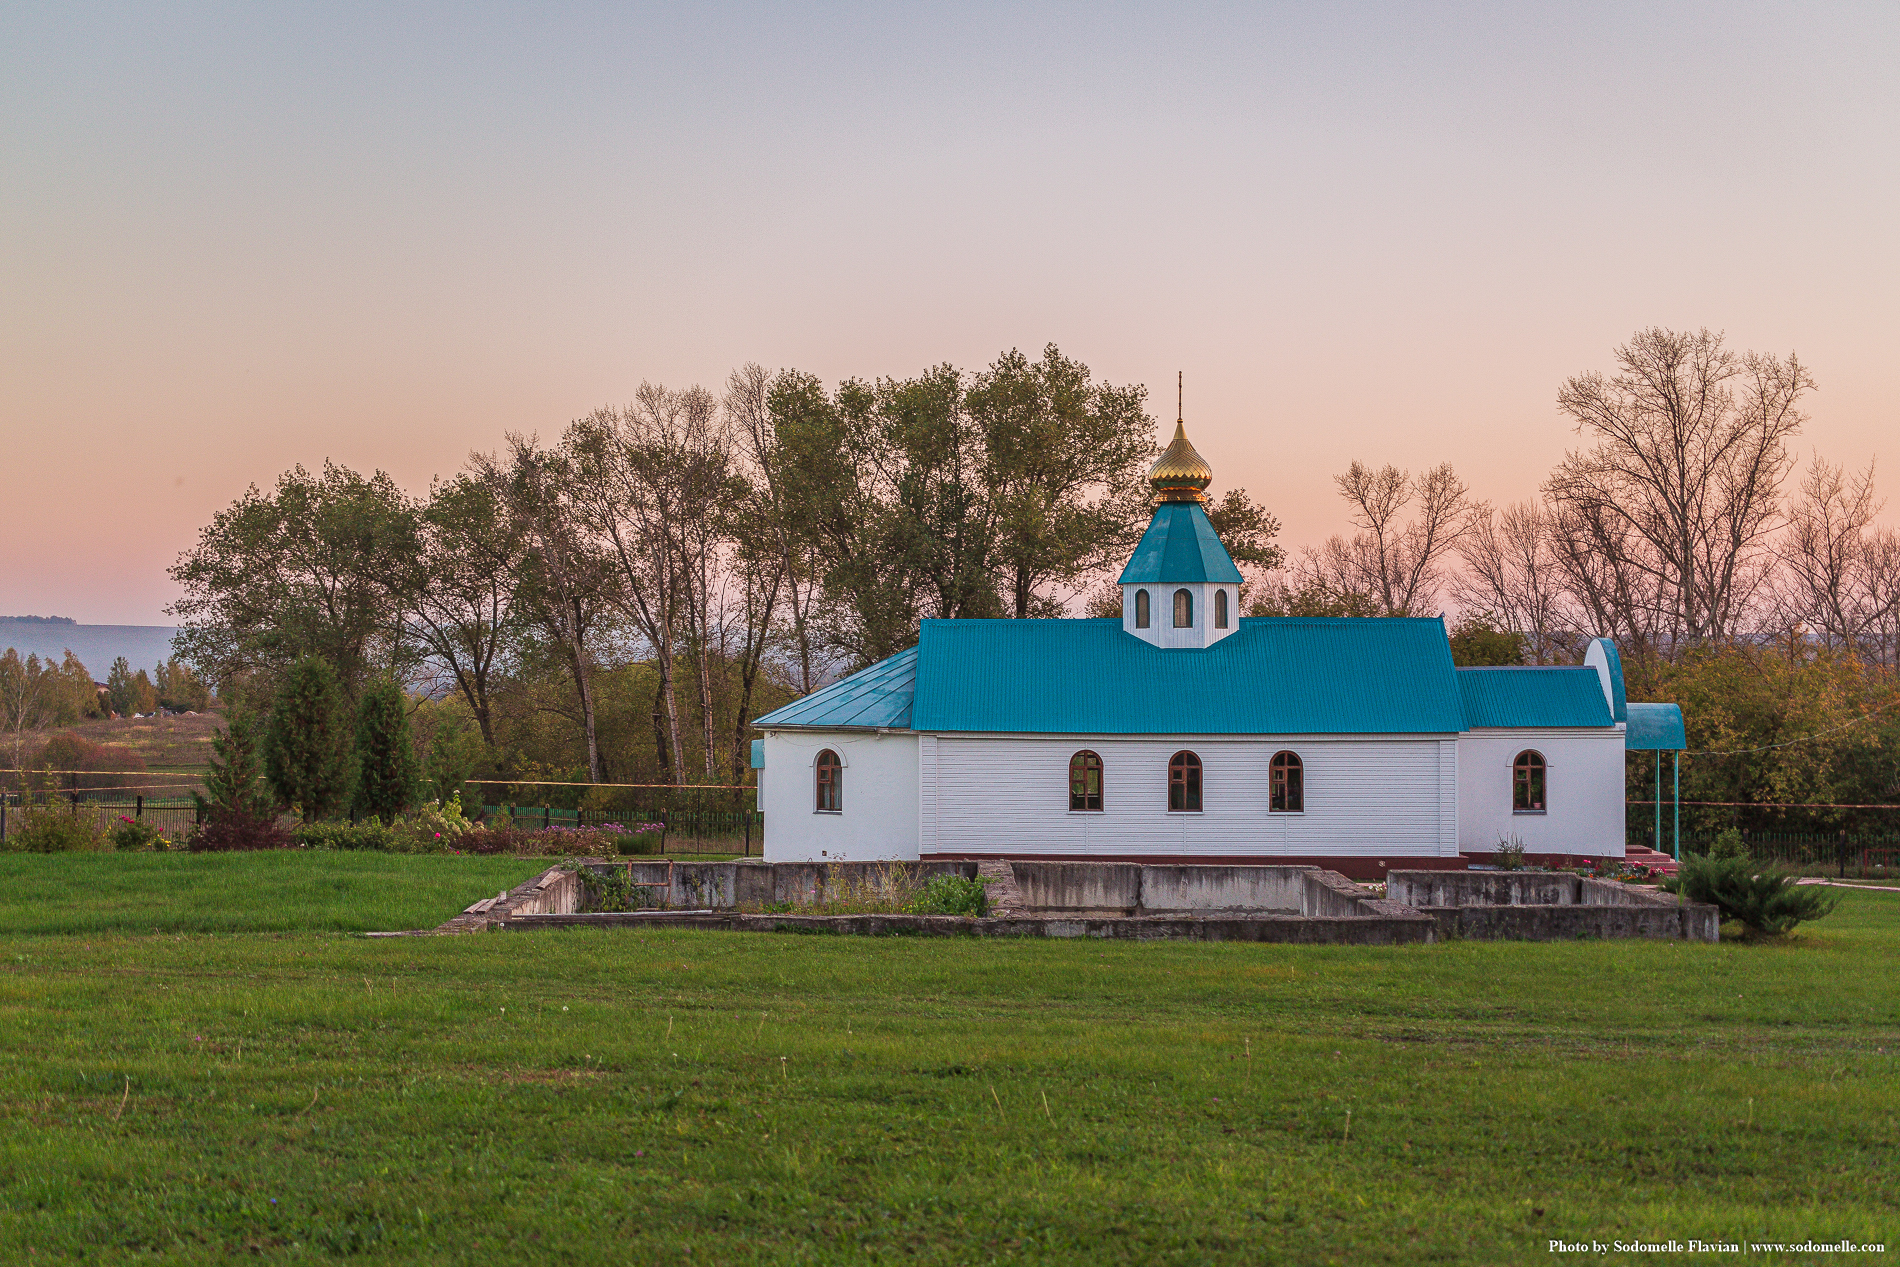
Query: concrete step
x,y
999,880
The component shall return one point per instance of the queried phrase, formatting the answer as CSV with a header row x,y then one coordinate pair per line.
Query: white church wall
x,y
1364,797
1584,785
878,815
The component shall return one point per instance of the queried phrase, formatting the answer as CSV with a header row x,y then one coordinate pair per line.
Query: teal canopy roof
x,y
1531,697
1271,676
1655,726
1180,547
869,699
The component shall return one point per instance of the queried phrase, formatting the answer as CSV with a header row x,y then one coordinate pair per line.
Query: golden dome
x,y
1180,474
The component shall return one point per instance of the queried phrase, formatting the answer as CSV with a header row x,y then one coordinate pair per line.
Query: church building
x,y
1185,732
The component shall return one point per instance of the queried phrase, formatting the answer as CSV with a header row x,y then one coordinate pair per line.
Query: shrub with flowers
x,y
129,834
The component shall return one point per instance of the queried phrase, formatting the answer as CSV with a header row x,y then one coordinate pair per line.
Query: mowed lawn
x,y
673,1097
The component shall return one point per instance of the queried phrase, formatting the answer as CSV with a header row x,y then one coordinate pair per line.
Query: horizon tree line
x,y
665,570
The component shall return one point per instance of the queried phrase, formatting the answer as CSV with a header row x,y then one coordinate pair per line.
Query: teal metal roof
x,y
1271,676
1655,726
1180,547
870,698
1529,697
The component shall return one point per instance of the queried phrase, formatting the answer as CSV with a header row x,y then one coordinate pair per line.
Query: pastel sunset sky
x,y
237,238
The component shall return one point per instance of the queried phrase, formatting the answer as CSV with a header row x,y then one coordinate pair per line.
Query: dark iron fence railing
x,y
691,818
1861,855
173,816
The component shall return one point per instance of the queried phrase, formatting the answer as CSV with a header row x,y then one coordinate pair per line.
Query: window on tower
x,y
1220,609
1141,609
1183,610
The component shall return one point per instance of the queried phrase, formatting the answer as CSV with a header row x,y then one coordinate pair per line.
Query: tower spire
x,y
1180,474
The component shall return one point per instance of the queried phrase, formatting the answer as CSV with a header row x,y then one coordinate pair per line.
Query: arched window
x,y
1527,783
1183,610
1286,784
1141,609
1085,781
830,782
1220,609
1184,783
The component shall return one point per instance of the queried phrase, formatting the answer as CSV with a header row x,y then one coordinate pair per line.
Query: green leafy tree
x,y
144,694
119,687
307,756
317,567
388,776
1061,467
1478,642
29,696
179,688
234,784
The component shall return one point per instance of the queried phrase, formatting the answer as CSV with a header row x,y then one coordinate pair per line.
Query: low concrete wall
x,y
1483,888
720,885
1409,928
1107,888
1183,889
1534,906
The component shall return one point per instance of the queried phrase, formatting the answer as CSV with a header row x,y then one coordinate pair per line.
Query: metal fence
x,y
689,819
173,816
1812,852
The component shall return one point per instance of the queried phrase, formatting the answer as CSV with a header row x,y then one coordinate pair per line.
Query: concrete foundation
x,y
1547,906
1130,901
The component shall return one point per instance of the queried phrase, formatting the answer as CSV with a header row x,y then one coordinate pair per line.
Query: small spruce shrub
x,y
1767,900
950,895
1729,844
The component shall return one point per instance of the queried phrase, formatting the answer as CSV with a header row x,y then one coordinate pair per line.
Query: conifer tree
x,y
232,788
119,687
307,757
388,776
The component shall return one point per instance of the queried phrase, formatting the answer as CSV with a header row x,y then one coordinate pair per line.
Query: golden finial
x,y
1180,474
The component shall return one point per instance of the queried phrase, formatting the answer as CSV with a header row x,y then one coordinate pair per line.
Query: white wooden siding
x,y
880,814
1583,787
1364,797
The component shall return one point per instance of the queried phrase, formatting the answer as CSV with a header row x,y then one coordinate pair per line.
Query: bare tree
x,y
649,478
1512,570
1612,596
1686,473
1400,565
779,528
561,585
1838,577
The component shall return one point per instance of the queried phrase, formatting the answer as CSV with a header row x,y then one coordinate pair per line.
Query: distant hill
x,y
143,646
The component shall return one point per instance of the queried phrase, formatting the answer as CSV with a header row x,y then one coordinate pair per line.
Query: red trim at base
x,y
1352,867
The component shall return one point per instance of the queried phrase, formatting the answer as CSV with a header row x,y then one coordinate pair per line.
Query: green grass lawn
x,y
260,892
673,1097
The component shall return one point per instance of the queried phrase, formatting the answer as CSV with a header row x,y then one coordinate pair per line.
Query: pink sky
x,y
236,239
